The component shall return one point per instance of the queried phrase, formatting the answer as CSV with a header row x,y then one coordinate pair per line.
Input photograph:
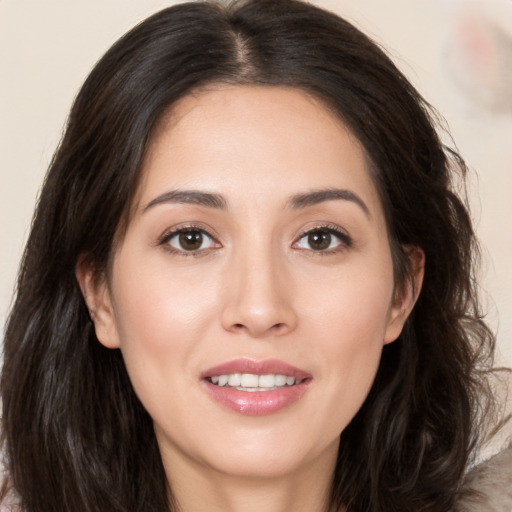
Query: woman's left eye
x,y
189,240
323,240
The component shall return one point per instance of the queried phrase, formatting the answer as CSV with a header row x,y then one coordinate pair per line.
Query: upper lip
x,y
264,367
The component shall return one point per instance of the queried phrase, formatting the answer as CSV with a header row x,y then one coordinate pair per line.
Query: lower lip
x,y
257,403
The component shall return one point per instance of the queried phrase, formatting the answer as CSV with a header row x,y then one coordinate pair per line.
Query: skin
x,y
256,289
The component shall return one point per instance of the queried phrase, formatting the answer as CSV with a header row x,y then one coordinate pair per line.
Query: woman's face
x,y
257,254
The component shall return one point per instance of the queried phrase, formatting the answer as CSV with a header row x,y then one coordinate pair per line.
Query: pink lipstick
x,y
256,387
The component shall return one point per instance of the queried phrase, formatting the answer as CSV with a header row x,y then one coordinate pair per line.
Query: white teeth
x,y
252,382
249,380
267,381
234,379
281,380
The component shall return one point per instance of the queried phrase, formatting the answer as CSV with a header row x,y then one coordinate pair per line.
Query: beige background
x,y
457,52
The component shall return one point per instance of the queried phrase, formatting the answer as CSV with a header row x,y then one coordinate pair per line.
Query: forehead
x,y
264,140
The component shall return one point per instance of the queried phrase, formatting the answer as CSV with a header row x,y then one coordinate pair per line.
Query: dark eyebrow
x,y
331,194
197,197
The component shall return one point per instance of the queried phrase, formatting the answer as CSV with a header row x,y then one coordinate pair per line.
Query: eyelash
x,y
164,240
345,241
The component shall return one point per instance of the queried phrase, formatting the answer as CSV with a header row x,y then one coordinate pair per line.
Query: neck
x,y
195,486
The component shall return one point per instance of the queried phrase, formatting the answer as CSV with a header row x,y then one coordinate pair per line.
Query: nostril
x,y
276,328
279,327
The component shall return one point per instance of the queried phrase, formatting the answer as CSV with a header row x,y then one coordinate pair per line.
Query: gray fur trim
x,y
488,486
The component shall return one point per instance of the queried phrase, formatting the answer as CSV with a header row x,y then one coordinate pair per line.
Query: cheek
x,y
352,334
161,318
352,305
157,306
349,329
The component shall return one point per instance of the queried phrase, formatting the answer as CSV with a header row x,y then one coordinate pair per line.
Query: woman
x,y
248,284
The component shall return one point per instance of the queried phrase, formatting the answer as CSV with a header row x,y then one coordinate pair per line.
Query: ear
x,y
406,295
97,297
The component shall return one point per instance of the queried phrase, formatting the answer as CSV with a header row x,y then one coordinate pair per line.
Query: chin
x,y
264,466
268,454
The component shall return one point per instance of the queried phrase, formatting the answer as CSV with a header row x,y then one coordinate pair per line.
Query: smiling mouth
x,y
256,388
253,383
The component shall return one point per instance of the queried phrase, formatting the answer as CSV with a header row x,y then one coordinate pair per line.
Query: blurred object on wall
x,y
479,61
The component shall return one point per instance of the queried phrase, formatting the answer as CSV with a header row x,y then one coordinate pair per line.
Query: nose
x,y
259,297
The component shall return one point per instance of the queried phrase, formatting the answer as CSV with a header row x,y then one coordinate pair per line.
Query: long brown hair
x,y
75,435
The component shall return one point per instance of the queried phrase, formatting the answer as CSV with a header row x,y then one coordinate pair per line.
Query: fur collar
x,y
488,486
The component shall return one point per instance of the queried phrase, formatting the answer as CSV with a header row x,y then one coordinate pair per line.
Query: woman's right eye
x,y
189,240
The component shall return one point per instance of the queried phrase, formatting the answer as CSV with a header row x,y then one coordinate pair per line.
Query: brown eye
x,y
190,240
319,240
324,240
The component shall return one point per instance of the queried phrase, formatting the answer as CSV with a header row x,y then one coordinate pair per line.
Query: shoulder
x,y
8,498
488,486
9,503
